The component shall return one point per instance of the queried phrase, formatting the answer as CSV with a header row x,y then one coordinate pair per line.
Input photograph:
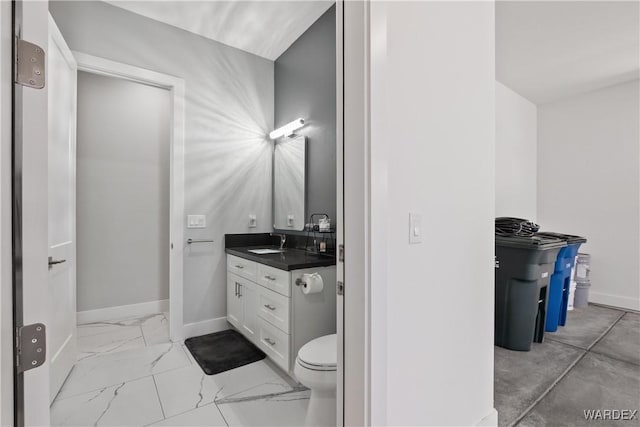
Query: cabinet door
x,y
249,298
234,303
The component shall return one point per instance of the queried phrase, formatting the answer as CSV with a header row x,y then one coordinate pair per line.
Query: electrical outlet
x,y
290,220
253,221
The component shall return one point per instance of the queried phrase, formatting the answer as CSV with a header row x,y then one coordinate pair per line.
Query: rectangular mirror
x,y
289,183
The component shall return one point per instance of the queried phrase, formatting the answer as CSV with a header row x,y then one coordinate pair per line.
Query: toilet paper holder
x,y
310,287
301,282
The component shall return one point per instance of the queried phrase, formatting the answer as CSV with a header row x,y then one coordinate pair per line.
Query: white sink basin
x,y
265,251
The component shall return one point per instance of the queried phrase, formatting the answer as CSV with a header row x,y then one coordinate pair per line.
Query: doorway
x,y
100,67
122,199
160,235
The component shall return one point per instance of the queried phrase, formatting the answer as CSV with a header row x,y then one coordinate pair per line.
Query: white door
x,y
61,324
31,293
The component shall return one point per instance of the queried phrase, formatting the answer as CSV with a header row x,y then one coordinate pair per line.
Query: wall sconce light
x,y
288,129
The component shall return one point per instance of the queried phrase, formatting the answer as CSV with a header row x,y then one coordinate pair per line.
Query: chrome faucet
x,y
283,239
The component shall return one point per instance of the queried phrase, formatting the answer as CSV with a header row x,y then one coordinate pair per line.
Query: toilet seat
x,y
320,354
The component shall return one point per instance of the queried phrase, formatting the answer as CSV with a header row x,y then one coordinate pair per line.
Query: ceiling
x,y
546,50
264,28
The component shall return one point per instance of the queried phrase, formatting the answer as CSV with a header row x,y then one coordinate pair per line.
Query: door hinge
x,y
30,65
340,288
32,346
341,253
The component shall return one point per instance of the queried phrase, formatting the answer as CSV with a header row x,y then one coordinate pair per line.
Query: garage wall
x,y
516,154
588,184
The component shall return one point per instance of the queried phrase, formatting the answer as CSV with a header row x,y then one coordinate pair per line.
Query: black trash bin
x,y
524,266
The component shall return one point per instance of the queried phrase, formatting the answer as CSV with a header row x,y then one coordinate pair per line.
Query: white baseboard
x,y
614,301
122,311
204,327
491,420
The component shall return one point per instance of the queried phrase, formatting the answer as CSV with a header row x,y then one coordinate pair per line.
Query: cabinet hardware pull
x,y
270,341
270,307
236,288
239,290
239,266
270,278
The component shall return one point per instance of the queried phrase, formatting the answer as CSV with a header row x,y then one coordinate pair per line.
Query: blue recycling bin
x,y
558,296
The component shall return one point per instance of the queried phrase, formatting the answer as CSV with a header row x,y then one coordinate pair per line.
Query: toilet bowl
x,y
316,367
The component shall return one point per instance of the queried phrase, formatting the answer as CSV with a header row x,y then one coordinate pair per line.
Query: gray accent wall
x,y
122,199
305,86
229,112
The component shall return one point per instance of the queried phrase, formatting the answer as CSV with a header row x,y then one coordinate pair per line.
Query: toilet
x,y
316,367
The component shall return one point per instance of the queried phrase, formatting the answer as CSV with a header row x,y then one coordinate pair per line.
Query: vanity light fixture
x,y
288,129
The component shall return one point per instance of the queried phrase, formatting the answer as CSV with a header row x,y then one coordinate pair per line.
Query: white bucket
x,y
581,298
583,266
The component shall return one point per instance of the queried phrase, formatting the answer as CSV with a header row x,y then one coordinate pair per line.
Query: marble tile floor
x,y
129,374
591,363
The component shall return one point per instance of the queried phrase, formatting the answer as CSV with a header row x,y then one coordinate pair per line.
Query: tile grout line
x,y
129,380
240,400
221,414
191,410
566,372
155,384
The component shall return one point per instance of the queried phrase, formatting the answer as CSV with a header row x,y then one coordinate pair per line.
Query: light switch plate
x,y
196,221
290,220
253,221
415,228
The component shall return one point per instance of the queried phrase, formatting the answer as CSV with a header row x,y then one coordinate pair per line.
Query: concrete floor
x,y
591,363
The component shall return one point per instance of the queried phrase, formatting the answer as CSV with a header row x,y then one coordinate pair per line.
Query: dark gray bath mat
x,y
223,351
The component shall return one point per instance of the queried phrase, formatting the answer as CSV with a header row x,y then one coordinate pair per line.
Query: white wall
x,y
123,147
6,303
516,154
589,184
434,155
229,112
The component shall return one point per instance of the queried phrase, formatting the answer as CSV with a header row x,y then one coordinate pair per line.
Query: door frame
x,y
176,87
354,204
340,307
6,261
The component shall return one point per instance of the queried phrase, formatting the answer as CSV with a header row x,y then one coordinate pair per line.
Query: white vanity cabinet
x,y
267,307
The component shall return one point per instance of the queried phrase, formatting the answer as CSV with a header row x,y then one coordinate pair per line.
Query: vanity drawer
x,y
274,343
274,308
274,279
241,267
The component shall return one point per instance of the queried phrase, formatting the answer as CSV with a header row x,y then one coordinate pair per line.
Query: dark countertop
x,y
291,259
